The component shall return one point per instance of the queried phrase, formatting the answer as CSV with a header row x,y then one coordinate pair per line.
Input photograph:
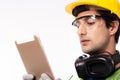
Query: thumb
x,y
44,76
58,79
28,77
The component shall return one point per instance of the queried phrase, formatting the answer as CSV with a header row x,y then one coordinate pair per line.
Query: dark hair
x,y
106,15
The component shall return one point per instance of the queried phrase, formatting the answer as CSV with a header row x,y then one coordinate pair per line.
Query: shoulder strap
x,y
115,76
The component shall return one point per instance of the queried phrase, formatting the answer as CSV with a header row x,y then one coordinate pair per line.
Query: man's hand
x,y
43,76
28,77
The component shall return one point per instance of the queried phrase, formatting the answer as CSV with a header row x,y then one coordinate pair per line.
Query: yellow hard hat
x,y
112,5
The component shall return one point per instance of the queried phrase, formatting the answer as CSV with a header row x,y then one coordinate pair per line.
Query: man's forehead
x,y
89,12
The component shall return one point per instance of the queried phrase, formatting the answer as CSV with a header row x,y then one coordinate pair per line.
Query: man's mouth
x,y
84,42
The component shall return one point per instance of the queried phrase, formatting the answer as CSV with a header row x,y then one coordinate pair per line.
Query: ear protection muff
x,y
96,66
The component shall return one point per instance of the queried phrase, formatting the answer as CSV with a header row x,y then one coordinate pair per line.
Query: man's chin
x,y
90,52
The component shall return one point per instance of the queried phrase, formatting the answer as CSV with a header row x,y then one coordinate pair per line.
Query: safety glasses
x,y
87,21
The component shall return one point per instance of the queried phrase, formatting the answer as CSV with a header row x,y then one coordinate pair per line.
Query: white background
x,y
20,20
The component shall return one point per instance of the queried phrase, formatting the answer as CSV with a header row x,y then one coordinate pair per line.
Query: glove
x,y
43,76
28,77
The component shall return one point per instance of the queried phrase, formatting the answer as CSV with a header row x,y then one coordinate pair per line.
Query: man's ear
x,y
113,27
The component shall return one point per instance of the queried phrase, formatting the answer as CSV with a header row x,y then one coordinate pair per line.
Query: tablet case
x,y
34,58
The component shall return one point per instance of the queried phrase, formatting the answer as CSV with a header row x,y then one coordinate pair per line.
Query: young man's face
x,y
92,31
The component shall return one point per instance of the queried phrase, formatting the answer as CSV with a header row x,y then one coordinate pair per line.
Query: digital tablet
x,y
34,58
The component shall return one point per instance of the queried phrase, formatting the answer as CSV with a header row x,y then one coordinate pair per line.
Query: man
x,y
98,23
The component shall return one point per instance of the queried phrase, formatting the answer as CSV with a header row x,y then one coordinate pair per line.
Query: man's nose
x,y
82,30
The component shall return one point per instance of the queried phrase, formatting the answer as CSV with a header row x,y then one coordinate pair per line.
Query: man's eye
x,y
90,23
